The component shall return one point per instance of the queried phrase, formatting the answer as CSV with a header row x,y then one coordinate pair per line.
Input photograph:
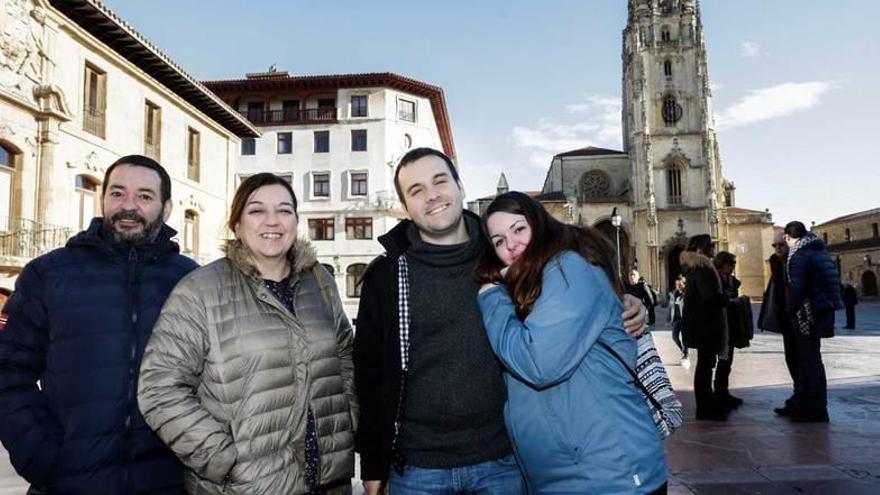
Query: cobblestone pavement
x,y
755,452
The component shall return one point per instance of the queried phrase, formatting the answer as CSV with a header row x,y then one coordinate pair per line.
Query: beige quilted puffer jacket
x,y
229,374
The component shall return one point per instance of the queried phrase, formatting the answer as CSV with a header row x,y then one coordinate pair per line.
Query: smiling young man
x,y
430,389
77,324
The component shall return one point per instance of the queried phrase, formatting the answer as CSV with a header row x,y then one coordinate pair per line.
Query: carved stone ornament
x,y
21,47
192,203
6,132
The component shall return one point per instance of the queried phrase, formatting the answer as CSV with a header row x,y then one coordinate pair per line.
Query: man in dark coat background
x,y
774,318
850,299
813,296
77,323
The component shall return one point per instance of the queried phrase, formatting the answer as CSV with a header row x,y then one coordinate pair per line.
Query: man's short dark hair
x,y
419,153
146,162
795,229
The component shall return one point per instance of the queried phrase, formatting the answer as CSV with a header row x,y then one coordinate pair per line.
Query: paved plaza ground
x,y
755,452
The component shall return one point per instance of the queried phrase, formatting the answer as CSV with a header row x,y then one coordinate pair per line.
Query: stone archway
x,y
673,265
869,284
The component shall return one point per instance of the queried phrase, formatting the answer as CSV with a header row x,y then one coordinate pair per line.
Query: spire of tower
x,y
502,185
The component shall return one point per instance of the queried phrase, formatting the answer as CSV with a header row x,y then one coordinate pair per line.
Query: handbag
x,y
650,377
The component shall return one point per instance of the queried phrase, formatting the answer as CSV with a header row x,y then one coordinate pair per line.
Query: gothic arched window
x,y
667,68
665,35
673,185
671,110
595,184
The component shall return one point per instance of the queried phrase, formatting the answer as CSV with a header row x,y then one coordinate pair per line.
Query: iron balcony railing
x,y
23,238
291,116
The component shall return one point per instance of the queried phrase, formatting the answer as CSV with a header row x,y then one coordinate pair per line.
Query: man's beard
x,y
146,235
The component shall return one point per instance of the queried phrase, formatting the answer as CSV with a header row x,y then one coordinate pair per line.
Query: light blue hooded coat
x,y
577,421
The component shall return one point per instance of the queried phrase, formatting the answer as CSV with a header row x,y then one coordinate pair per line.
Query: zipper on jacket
x,y
131,272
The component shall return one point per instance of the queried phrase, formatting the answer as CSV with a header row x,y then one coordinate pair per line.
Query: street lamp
x,y
615,221
867,259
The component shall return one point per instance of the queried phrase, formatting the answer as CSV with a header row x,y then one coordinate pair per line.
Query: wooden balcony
x,y
291,116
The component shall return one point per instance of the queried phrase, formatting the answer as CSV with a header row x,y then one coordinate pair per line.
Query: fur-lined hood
x,y
302,257
693,259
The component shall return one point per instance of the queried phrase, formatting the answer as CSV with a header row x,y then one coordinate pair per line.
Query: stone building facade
x,y
338,139
79,88
854,242
667,182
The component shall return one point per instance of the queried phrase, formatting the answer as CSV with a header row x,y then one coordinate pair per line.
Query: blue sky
x,y
795,83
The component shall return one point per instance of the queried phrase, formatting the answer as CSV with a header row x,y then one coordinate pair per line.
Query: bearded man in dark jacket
x,y
813,297
74,336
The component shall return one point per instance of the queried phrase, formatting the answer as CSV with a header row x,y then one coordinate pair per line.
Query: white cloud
x,y
592,122
773,102
749,49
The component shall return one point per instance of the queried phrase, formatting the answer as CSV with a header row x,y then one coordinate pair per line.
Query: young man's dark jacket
x,y
813,277
78,322
377,363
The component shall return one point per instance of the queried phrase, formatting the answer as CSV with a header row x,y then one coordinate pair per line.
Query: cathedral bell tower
x,y
669,132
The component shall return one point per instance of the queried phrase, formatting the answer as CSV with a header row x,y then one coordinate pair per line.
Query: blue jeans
x,y
499,477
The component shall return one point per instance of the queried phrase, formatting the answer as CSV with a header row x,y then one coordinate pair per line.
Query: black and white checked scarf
x,y
804,314
398,460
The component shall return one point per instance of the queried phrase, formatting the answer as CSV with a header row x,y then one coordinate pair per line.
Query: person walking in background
x,y
248,376
640,289
813,297
676,310
725,263
77,323
551,307
850,299
704,324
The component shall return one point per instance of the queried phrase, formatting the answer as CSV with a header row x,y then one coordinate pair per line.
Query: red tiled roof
x,y
282,82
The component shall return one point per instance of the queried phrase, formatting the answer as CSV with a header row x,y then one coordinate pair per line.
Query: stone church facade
x,y
667,183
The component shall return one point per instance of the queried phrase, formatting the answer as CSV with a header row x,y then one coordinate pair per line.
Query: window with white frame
x,y
248,146
87,199
359,228
285,143
406,110
358,184
359,105
321,185
321,229
358,140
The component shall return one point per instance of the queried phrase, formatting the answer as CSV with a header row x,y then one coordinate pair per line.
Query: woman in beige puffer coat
x,y
248,374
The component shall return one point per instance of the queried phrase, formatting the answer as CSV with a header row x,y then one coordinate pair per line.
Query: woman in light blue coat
x,y
550,303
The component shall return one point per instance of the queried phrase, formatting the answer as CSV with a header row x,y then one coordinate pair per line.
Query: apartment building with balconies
x,y
338,138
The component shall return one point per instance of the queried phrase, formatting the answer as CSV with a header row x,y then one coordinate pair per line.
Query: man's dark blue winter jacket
x,y
813,277
78,322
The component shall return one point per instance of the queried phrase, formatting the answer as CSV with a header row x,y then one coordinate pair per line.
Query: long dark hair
x,y
549,238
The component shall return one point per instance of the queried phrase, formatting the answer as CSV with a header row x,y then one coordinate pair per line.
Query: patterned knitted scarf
x,y
804,314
